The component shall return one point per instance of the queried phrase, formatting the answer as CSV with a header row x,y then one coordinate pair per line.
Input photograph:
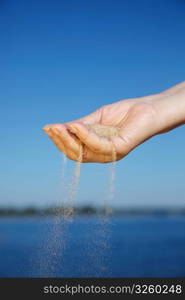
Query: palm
x,y
135,118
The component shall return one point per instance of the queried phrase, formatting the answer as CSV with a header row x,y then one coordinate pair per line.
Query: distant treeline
x,y
84,210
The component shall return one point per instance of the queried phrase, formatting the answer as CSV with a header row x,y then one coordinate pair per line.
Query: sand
x,y
98,249
73,187
55,245
105,131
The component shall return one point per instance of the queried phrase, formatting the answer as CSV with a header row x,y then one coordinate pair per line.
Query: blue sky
x,y
60,60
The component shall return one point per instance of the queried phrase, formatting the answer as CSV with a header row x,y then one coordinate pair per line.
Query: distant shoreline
x,y
88,210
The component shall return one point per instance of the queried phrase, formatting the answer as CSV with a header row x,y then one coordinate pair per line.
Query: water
x,y
151,246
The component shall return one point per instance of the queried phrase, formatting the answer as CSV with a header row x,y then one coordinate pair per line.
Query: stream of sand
x,y
98,247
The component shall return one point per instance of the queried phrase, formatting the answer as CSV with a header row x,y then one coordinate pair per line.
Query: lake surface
x,y
145,246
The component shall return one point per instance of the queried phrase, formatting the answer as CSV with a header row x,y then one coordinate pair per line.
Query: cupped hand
x,y
138,119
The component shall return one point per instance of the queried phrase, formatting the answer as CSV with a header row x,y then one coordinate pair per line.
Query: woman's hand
x,y
138,119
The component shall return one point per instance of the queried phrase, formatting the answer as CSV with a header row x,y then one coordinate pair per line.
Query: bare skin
x,y
138,120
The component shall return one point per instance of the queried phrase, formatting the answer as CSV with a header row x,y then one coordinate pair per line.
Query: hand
x,y
138,119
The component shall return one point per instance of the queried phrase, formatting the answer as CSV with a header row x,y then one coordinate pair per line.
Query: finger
x,y
67,138
55,134
78,155
90,139
56,140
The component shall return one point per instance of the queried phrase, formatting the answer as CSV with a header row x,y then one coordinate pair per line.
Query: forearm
x,y
171,109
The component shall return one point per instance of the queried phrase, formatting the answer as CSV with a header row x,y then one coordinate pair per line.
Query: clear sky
x,y
60,60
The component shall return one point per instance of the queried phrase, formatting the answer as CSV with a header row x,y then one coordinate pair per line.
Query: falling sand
x,y
98,248
73,187
53,248
56,244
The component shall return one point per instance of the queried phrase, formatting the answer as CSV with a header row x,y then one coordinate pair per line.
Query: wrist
x,y
170,110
